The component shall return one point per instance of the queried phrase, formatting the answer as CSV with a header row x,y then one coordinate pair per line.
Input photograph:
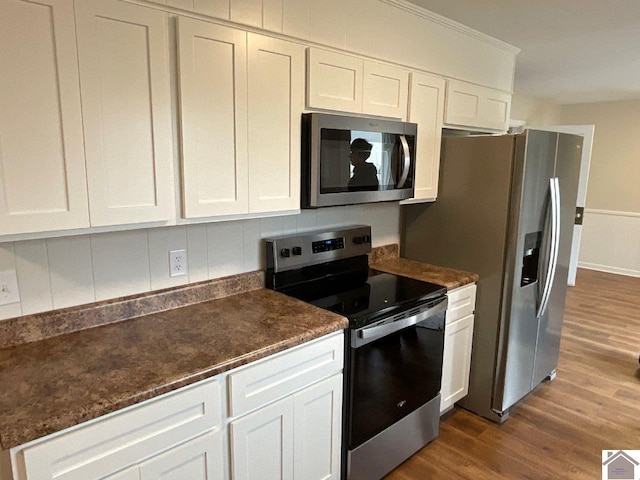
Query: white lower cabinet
x,y
104,447
262,443
299,435
317,419
199,459
456,360
293,431
296,437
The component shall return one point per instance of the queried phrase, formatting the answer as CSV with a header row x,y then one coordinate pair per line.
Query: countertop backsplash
x,y
63,272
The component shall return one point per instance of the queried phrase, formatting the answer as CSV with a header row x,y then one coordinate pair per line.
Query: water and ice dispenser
x,y
530,258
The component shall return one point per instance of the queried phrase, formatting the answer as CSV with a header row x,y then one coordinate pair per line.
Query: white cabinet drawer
x,y
101,448
462,302
281,375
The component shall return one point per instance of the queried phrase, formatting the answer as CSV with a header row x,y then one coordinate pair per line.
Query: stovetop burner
x,y
337,278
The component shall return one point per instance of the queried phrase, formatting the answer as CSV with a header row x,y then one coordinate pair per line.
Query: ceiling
x,y
572,51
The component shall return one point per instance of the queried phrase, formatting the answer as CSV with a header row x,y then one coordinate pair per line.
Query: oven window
x,y
353,160
393,376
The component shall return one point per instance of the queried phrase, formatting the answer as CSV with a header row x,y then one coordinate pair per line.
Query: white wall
x,y
535,111
611,229
611,225
61,272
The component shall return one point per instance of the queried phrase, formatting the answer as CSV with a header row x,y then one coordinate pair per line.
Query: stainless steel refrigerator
x,y
505,210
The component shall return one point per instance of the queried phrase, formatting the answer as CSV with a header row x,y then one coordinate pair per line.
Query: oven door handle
x,y
366,335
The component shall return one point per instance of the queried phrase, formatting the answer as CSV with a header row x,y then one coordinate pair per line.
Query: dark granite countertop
x,y
58,382
61,368
386,259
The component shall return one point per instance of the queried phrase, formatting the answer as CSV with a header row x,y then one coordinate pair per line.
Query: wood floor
x,y
560,429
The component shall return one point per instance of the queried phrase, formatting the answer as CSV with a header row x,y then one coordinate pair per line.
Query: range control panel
x,y
327,245
296,251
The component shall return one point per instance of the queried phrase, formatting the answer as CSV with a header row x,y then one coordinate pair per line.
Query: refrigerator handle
x,y
406,161
555,245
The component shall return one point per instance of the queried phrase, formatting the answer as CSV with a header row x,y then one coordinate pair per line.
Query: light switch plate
x,y
9,292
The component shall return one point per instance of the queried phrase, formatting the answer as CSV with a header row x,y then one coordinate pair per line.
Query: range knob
x,y
285,252
359,240
296,250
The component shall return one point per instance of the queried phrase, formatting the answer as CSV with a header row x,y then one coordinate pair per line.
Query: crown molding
x,y
446,22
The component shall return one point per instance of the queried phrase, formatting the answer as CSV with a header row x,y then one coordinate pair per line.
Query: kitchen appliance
x,y
393,346
505,210
349,160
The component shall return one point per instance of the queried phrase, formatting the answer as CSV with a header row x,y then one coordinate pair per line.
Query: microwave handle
x,y
407,161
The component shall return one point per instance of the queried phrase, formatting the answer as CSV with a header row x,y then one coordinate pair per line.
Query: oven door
x,y
395,367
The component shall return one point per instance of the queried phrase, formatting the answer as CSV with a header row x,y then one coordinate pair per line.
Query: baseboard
x,y
608,269
610,242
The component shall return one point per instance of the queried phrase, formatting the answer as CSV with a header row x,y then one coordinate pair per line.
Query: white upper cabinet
x,y
477,107
241,98
334,81
350,84
213,115
265,14
124,80
386,90
42,171
275,102
426,108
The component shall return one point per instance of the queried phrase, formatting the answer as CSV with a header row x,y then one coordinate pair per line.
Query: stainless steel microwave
x,y
349,160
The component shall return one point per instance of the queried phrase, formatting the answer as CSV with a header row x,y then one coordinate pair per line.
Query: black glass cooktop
x,y
365,300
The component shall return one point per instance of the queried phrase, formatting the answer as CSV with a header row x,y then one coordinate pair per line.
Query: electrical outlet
x,y
9,292
178,263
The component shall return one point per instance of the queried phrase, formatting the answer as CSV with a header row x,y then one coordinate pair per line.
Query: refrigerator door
x,y
567,170
527,259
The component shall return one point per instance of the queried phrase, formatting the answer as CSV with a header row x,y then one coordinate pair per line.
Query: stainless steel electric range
x,y
393,348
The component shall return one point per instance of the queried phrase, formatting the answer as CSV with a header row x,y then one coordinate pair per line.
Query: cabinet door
x,y
317,430
426,108
42,172
276,85
456,361
132,473
124,80
199,459
213,114
475,106
385,91
334,81
262,443
495,109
